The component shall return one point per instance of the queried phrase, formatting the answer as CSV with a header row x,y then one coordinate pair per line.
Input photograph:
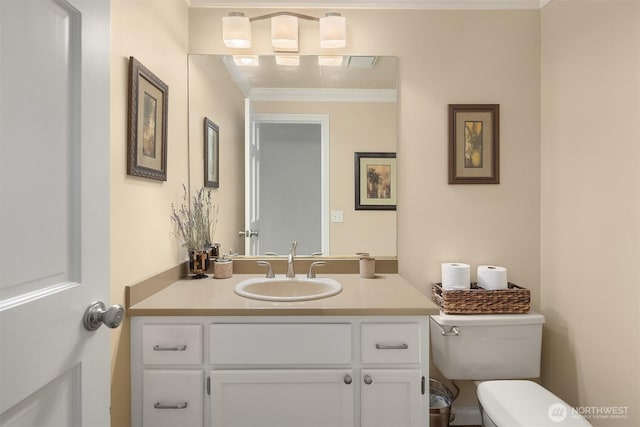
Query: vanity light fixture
x,y
236,30
330,60
333,31
246,60
288,60
284,33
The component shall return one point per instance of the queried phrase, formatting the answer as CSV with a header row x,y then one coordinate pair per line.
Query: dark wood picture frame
x,y
211,154
147,123
375,181
474,143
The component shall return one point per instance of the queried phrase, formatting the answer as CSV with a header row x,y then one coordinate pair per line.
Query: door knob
x,y
97,314
367,379
248,233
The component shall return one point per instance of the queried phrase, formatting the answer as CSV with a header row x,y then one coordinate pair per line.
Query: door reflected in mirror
x,y
304,123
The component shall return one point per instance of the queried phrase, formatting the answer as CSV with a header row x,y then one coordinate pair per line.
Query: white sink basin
x,y
288,289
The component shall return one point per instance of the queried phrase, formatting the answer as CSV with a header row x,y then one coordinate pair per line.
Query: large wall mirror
x,y
289,128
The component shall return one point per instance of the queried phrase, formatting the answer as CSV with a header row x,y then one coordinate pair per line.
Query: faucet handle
x,y
270,274
312,272
294,246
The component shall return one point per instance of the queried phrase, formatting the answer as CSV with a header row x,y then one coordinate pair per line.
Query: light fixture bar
x,y
271,15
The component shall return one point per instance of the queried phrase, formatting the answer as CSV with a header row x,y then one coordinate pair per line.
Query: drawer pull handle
x,y
392,347
177,348
182,405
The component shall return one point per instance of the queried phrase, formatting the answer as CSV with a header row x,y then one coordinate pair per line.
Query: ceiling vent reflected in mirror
x,y
361,61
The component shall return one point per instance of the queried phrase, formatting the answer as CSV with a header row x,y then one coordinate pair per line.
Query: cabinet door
x,y
392,397
172,398
282,398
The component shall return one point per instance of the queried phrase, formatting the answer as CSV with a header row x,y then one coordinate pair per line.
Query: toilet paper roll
x,y
492,277
455,276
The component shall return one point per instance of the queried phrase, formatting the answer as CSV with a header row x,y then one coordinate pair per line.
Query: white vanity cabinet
x,y
168,367
389,396
282,397
249,371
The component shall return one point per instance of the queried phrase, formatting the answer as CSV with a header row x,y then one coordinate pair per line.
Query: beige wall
x,y
353,127
447,57
213,94
456,57
590,291
155,33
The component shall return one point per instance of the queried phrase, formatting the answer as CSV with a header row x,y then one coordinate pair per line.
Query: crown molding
x,y
374,4
323,95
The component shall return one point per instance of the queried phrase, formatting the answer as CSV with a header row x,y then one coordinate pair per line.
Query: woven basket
x,y
477,300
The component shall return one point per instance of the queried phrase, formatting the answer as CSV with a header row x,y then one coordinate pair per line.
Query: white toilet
x,y
504,347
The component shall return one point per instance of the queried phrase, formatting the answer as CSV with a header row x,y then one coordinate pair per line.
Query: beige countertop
x,y
386,294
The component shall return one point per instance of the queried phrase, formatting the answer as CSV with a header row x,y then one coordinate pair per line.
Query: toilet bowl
x,y
499,351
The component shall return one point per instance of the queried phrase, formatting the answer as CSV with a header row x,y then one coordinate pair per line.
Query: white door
x,y
54,211
276,215
252,172
282,398
392,397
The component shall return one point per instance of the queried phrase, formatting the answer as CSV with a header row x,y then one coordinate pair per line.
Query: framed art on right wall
x,y
474,143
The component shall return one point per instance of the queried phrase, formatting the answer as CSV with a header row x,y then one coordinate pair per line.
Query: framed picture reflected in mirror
x,y
375,181
211,154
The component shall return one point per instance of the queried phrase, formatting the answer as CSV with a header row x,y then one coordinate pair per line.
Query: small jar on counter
x,y
367,267
222,268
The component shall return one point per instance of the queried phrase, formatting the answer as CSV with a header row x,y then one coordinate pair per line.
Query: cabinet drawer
x,y
390,342
171,344
280,344
172,398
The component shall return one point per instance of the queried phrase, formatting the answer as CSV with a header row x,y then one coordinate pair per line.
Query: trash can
x,y
440,401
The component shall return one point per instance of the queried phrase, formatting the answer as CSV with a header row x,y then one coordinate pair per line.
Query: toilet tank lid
x,y
531,318
519,403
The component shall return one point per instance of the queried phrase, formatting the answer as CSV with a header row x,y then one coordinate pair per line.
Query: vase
x,y
198,263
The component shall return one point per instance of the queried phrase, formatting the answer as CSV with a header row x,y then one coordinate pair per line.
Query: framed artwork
x,y
376,184
211,154
147,127
474,143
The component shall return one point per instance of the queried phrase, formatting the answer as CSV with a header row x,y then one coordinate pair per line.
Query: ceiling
x,y
359,78
374,4
380,73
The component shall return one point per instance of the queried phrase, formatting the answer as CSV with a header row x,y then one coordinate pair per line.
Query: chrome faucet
x,y
291,272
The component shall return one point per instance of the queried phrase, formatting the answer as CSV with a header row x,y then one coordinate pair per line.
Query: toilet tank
x,y
487,346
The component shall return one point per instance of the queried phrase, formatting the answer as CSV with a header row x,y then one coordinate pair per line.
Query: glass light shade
x,y
333,31
330,60
236,30
284,32
246,60
290,60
